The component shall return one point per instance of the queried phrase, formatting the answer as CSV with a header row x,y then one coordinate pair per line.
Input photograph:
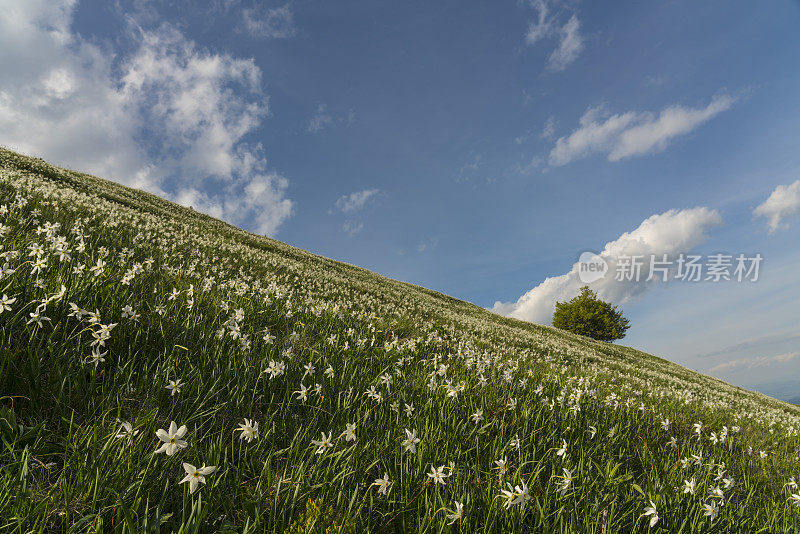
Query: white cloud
x,y
668,233
549,129
632,133
270,23
542,26
427,244
356,201
471,168
166,117
570,45
546,26
752,363
319,120
780,205
353,227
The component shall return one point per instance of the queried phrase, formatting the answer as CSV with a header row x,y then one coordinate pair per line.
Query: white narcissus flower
x,y
566,480
711,510
652,513
383,484
410,443
5,303
562,452
126,430
174,386
521,496
249,430
302,393
457,514
349,433
502,466
322,444
172,439
689,486
195,476
437,475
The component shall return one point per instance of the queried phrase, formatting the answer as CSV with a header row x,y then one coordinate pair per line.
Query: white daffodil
x,y
437,475
172,439
650,511
522,496
322,444
564,483
502,466
126,431
711,510
97,357
174,387
457,514
196,476
562,452
689,486
249,430
349,433
410,443
383,484
302,393
5,303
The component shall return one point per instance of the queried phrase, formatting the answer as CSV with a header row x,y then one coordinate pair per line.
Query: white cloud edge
x,y
782,203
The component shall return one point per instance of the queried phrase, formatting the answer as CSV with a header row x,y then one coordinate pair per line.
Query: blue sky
x,y
475,148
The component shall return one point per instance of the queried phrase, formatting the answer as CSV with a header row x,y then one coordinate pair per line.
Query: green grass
x,y
62,468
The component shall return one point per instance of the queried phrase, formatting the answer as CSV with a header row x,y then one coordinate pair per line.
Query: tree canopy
x,y
587,315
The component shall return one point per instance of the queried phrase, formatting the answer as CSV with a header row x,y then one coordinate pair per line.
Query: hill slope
x,y
122,313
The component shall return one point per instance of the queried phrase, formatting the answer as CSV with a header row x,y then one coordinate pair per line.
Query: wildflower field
x,y
162,371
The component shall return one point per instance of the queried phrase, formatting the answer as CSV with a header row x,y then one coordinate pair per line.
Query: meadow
x,y
163,371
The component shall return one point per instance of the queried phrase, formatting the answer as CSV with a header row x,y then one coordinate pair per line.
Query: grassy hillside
x,y
109,296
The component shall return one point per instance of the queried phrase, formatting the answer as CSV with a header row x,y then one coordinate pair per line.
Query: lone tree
x,y
587,315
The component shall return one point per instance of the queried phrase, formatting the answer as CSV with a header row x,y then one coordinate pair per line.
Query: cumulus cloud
x,y
752,363
671,233
780,205
167,117
547,26
269,23
632,133
356,201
